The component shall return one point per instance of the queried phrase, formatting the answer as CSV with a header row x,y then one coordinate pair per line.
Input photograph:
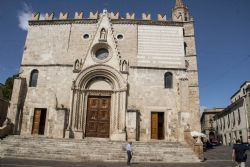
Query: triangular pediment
x,y
103,48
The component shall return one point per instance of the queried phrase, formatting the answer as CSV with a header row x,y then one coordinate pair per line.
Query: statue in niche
x,y
77,65
124,66
103,34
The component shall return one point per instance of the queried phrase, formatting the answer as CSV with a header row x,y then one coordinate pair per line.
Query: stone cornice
x,y
157,68
193,86
192,70
94,21
147,22
189,36
56,22
46,65
100,91
191,56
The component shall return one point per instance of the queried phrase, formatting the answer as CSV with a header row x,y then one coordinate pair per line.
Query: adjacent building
x,y
233,122
207,122
108,76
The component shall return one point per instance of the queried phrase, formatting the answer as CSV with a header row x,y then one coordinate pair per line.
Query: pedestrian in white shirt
x,y
129,152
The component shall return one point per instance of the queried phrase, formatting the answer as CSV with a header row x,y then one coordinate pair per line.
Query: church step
x,y
91,149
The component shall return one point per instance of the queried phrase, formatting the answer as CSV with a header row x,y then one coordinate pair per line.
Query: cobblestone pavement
x,y
217,157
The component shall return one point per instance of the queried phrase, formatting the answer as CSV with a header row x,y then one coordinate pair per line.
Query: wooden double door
x,y
98,117
39,121
157,125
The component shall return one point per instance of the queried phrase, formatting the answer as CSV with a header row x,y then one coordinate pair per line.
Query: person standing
x,y
239,153
129,152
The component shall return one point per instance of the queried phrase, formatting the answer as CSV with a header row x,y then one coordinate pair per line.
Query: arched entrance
x,y
98,104
211,136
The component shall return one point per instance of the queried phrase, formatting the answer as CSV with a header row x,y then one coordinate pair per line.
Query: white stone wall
x,y
160,46
147,94
52,92
47,44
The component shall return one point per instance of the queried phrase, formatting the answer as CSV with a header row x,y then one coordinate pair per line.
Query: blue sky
x,y
222,37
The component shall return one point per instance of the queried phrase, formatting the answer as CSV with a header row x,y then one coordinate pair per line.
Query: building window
x,y
224,123
102,53
228,117
239,118
220,124
33,78
86,36
233,119
185,48
120,36
168,79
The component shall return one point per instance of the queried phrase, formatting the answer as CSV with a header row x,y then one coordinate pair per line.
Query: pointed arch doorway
x,y
98,104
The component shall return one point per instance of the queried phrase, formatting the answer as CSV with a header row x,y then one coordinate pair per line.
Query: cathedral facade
x,y
108,76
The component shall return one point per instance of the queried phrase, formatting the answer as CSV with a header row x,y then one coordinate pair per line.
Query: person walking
x,y
129,152
239,153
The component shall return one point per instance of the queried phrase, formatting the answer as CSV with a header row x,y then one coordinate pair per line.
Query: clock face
x,y
102,54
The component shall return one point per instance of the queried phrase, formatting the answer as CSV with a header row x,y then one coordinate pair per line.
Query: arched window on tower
x,y
33,78
168,79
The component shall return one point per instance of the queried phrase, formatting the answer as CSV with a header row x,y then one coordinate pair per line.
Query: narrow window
x,y
220,124
185,48
239,119
224,123
233,119
33,78
168,80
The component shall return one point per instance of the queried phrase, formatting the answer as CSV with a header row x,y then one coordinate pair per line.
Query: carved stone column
x,y
69,133
119,117
78,134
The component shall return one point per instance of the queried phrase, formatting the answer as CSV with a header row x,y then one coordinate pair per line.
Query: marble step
x,y
91,149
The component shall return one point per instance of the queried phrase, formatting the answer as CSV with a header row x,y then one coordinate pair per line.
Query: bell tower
x,y
180,12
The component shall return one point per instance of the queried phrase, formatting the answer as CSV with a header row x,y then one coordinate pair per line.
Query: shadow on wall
x,y
4,105
6,128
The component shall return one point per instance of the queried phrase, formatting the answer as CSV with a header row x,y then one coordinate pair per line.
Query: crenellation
x,y
63,16
146,16
49,16
114,15
96,15
78,15
130,16
93,15
35,16
161,17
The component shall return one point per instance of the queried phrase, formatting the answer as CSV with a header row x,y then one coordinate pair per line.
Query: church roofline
x,y
93,18
114,21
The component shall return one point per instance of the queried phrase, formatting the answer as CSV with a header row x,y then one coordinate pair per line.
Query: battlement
x,y
95,15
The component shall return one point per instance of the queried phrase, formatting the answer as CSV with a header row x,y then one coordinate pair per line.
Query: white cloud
x,y
24,16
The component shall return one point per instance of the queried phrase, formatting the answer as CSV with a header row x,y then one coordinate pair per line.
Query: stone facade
x,y
106,55
233,122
